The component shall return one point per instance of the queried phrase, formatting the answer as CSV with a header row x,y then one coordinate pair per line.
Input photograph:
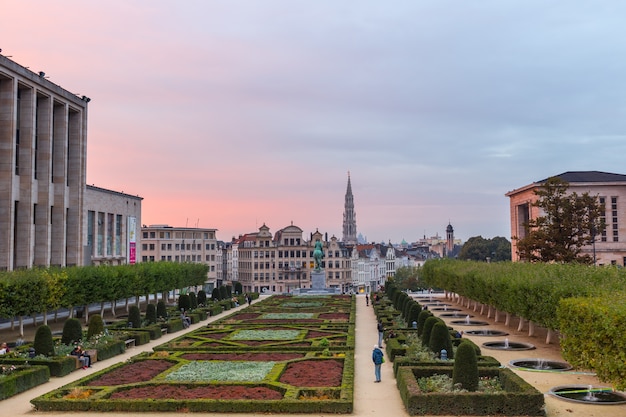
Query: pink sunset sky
x,y
231,114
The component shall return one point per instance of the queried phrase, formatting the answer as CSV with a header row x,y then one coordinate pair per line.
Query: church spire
x,y
349,216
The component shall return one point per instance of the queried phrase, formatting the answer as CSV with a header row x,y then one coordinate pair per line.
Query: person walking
x,y
378,359
381,332
367,300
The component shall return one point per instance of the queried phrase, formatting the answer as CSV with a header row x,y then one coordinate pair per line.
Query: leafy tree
x,y
478,248
406,278
569,222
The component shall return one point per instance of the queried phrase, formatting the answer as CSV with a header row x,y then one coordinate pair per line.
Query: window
x,y
152,235
145,235
144,246
151,246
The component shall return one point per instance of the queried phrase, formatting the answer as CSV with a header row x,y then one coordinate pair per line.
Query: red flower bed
x,y
133,372
324,373
181,392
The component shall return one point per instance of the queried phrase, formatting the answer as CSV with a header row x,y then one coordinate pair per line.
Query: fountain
x,y
588,394
446,309
539,364
485,332
507,345
452,315
469,322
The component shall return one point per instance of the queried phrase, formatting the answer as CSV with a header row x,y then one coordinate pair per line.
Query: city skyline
x,y
233,114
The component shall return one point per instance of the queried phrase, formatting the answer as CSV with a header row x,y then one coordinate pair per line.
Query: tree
x,y
478,248
569,222
406,278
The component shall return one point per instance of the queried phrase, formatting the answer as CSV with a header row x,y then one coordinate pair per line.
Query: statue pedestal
x,y
318,280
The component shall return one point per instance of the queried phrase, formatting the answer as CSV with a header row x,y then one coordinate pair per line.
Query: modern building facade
x,y
609,247
162,242
111,228
43,143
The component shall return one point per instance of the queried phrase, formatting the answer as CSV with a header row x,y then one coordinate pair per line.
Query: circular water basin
x,y
485,332
468,322
449,309
453,315
538,364
506,345
588,394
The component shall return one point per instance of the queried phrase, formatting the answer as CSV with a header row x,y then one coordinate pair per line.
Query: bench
x,y
130,343
163,330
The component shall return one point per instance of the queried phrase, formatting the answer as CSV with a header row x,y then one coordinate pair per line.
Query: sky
x,y
232,114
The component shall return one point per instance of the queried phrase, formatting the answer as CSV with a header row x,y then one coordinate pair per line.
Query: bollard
x,y
443,355
415,325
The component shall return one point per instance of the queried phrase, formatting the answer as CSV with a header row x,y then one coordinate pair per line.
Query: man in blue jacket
x,y
377,358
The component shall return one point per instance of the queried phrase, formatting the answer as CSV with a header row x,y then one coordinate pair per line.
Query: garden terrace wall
x,y
518,399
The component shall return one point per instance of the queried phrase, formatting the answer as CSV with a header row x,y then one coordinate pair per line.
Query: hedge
x,y
23,379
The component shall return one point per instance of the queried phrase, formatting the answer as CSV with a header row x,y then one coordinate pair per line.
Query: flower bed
x,y
517,397
213,369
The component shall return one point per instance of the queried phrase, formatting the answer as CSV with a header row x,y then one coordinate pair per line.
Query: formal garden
x,y
282,355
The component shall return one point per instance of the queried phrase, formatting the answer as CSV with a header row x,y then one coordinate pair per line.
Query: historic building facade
x,y
610,246
43,138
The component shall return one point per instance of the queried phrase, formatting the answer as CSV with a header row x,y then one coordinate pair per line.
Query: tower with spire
x,y
349,217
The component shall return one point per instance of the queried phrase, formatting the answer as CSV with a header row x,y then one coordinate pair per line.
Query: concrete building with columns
x,y
43,136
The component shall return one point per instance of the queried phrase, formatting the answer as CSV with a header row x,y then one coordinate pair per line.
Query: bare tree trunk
x,y
531,328
21,326
520,326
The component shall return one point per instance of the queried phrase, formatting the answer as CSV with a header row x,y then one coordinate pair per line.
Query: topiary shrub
x,y
134,317
96,326
414,313
201,298
151,314
193,301
466,367
161,310
43,343
223,292
238,287
215,295
183,302
440,339
421,319
72,332
428,326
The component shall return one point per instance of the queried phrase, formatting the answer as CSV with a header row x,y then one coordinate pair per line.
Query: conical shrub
x,y
414,313
72,332
96,326
183,302
134,317
161,310
421,319
466,367
43,343
428,327
440,339
151,314
201,298
193,301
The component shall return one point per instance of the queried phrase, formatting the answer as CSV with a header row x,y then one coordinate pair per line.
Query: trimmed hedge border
x,y
57,365
23,379
519,399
